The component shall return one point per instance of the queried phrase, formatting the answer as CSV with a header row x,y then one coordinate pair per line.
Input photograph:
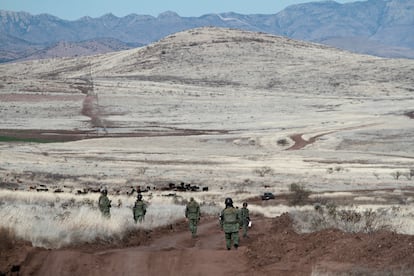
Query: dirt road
x,y
176,253
273,248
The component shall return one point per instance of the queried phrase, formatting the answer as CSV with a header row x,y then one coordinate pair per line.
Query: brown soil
x,y
410,114
273,248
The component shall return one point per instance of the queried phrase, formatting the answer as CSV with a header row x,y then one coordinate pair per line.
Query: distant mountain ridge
x,y
376,27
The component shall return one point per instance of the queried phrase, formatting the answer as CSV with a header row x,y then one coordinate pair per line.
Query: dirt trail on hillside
x,y
273,248
300,143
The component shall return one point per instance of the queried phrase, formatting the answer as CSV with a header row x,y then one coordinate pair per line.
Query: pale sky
x,y
75,9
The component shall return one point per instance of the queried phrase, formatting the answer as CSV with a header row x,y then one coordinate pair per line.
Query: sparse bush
x,y
331,207
263,171
246,183
396,175
141,170
331,170
320,200
299,194
282,142
409,175
348,220
349,216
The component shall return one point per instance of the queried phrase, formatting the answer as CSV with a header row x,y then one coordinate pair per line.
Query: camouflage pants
x,y
106,214
138,219
232,236
245,228
192,223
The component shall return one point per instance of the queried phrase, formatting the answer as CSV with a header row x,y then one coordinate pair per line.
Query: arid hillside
x,y
208,113
211,106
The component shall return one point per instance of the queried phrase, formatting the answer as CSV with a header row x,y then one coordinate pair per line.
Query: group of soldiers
x,y
231,219
139,210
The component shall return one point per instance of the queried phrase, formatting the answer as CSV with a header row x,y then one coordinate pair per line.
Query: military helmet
x,y
139,196
244,204
104,191
228,201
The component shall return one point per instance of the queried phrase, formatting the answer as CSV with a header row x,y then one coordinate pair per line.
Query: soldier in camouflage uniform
x,y
244,219
229,222
104,204
192,213
139,210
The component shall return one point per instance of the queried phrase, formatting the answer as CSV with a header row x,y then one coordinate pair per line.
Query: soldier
x,y
229,222
104,204
244,219
139,210
192,213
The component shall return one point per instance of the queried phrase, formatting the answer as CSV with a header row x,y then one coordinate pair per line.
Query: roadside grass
x,y
356,219
53,220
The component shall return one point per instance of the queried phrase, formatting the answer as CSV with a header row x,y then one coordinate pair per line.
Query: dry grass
x,y
54,220
366,219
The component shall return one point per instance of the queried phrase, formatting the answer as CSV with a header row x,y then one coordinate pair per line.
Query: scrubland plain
x,y
239,112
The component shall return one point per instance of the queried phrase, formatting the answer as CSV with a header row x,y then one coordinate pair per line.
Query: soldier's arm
x,y
109,202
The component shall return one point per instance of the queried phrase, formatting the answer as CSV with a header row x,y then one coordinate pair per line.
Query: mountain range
x,y
375,27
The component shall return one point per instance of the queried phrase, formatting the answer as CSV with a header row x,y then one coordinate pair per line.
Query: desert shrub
x,y
282,142
409,175
396,175
351,216
142,170
245,184
331,208
263,171
331,170
299,195
348,220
